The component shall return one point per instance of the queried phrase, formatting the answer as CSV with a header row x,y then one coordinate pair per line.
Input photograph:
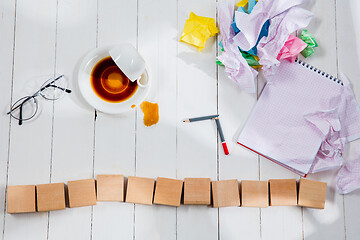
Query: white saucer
x,y
86,66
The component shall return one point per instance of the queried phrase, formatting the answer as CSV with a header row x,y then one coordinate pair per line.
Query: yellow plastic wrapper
x,y
242,3
197,30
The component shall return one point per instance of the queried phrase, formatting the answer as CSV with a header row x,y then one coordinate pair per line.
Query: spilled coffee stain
x,y
151,113
132,106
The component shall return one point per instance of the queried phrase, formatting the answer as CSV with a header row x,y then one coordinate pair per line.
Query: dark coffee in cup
x,y
110,83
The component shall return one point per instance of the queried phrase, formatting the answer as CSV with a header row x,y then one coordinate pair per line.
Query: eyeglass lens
x,y
24,109
54,88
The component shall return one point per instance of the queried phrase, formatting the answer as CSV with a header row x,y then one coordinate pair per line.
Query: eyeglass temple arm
x,y
51,82
20,118
64,89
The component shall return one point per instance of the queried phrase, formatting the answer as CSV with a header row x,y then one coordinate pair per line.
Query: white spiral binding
x,y
334,79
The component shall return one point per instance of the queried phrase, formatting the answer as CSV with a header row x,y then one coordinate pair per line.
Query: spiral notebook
x,y
277,128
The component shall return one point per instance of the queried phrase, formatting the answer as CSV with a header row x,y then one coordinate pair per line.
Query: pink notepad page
x,y
278,127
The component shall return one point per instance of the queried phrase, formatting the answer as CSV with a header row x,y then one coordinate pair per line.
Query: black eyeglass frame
x,y
20,103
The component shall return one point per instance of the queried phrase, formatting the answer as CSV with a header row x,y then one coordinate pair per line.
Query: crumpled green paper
x,y
219,63
198,29
310,41
252,60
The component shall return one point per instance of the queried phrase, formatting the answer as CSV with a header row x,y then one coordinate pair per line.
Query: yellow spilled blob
x,y
151,113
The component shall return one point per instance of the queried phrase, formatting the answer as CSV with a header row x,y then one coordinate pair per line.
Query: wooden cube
x,y
50,196
21,199
225,193
283,192
82,193
254,193
197,191
110,188
140,190
312,193
168,191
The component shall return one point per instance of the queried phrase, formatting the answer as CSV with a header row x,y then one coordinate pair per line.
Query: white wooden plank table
x,y
70,141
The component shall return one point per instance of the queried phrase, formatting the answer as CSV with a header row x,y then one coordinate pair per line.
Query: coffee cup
x,y
130,62
104,85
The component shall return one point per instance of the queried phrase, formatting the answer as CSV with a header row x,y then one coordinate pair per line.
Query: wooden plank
x,y
197,143
241,163
280,222
30,151
73,136
325,58
115,135
283,222
235,106
7,11
348,47
156,145
327,223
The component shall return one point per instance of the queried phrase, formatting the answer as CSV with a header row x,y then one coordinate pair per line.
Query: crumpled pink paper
x,y
250,24
280,28
235,64
330,152
338,127
291,49
349,112
348,178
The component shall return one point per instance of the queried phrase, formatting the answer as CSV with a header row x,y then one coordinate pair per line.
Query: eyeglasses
x,y
27,107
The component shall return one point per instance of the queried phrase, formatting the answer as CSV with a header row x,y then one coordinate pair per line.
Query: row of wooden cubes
x,y
197,191
275,192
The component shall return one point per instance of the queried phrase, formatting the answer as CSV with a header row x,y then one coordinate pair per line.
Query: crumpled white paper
x,y
250,24
235,64
280,28
286,18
